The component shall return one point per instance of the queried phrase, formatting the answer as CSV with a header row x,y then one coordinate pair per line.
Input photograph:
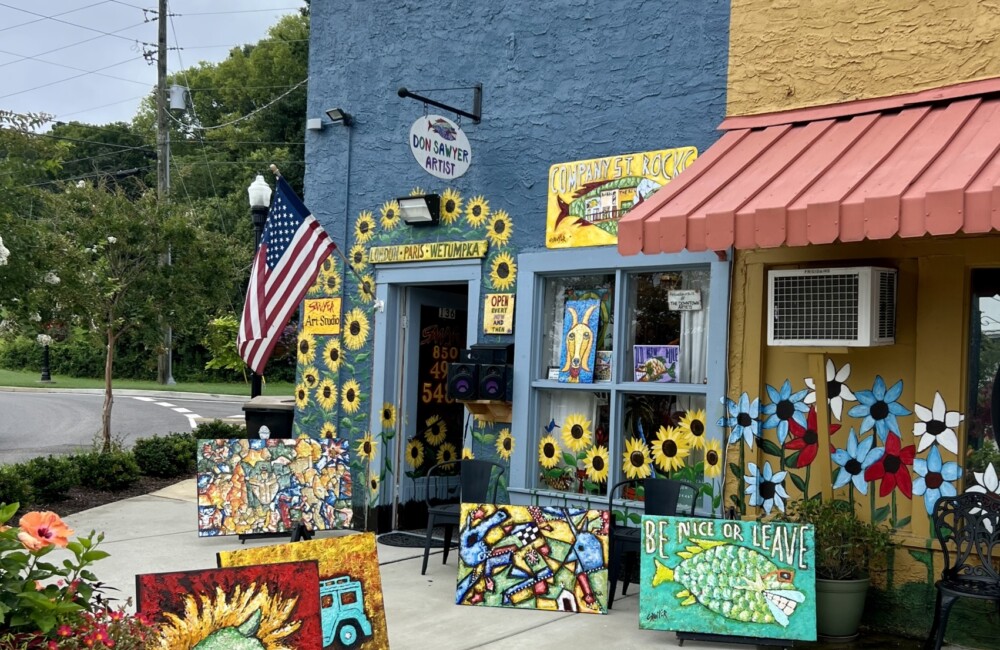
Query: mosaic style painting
x,y
274,607
268,486
533,558
350,585
576,359
739,578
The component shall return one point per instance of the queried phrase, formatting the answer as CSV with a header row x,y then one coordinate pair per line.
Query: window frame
x,y
529,377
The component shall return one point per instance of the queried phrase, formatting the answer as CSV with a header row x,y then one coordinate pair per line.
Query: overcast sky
x,y
83,59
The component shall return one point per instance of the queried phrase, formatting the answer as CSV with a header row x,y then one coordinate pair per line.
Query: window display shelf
x,y
489,410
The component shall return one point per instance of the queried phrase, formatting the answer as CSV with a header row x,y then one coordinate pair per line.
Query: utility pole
x,y
164,374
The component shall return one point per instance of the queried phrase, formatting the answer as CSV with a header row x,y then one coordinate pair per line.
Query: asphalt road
x,y
38,423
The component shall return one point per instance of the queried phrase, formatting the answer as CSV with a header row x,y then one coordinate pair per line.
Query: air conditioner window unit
x,y
853,306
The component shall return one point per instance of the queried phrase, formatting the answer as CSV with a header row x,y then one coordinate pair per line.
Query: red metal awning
x,y
912,165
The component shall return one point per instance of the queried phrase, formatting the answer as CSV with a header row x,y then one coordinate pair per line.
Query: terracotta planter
x,y
839,606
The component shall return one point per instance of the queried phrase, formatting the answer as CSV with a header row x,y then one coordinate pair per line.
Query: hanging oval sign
x,y
440,146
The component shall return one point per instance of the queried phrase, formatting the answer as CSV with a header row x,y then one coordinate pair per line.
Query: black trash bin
x,y
276,413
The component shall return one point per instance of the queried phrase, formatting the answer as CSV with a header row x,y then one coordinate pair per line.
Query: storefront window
x,y
623,368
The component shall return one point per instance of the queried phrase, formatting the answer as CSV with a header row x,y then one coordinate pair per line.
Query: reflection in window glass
x,y
664,436
668,344
580,287
984,365
572,450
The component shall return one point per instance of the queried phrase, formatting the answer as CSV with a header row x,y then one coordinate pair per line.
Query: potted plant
x,y
848,550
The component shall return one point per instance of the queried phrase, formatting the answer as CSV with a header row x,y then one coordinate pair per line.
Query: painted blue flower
x,y
879,408
741,419
934,478
854,460
785,406
766,488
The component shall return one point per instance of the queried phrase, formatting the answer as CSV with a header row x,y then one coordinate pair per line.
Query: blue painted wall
x,y
561,81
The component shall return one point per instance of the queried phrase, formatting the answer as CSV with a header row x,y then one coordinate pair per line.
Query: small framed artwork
x,y
602,366
656,363
553,373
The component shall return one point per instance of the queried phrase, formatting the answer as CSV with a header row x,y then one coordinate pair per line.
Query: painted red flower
x,y
892,468
806,439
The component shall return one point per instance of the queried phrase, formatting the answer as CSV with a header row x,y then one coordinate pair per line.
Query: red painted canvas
x,y
273,607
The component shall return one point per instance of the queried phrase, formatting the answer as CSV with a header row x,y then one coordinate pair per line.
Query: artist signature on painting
x,y
653,616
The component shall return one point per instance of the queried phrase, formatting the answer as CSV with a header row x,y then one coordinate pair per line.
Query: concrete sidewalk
x,y
158,532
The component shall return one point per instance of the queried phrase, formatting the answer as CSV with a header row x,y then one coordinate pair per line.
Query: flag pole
x,y
277,174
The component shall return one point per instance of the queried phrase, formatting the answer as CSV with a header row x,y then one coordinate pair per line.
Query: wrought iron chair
x,y
478,481
662,497
968,529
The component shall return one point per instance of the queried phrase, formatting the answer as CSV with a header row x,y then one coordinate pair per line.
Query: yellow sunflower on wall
x,y
477,211
366,447
331,354
435,431
670,448
373,485
499,230
467,454
503,271
358,257
331,282
301,396
329,264
576,432
417,191
306,348
451,206
713,459
548,452
366,288
310,376
326,394
414,453
693,424
596,464
388,415
636,459
447,453
364,227
350,396
390,215
505,444
356,329
329,430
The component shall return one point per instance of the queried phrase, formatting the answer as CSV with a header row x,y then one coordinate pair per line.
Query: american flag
x,y
292,249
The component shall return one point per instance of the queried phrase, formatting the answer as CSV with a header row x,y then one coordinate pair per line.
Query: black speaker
x,y
510,384
493,381
463,380
486,353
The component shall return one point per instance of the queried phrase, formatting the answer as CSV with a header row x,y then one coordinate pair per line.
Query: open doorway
x,y
431,426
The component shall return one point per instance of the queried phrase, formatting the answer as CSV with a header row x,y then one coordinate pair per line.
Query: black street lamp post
x,y
260,198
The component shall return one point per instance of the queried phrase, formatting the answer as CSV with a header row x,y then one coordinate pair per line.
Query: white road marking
x,y
144,399
167,404
181,409
191,417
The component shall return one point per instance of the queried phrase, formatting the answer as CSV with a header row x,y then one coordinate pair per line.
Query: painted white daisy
x,y
937,425
987,482
837,391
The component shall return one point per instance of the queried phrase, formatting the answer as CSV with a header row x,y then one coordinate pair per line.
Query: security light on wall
x,y
339,116
422,210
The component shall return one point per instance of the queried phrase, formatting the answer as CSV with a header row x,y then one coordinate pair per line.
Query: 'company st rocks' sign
x,y
440,146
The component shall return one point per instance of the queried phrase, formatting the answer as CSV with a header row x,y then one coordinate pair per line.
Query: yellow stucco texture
x,y
786,54
930,356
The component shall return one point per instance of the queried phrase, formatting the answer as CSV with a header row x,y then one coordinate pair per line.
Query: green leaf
x,y
735,469
716,502
770,447
902,523
7,512
388,435
798,482
635,518
881,514
361,358
590,486
553,473
793,459
388,465
569,459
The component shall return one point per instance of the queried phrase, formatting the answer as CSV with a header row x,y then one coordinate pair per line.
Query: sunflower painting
x,y
366,288
477,211
388,416
331,282
302,395
671,446
358,257
310,376
435,431
356,329
306,348
389,215
503,271
596,464
269,607
326,394
366,447
548,452
350,396
451,206
505,443
499,229
328,430
693,425
364,227
636,459
446,453
576,432
414,453
331,354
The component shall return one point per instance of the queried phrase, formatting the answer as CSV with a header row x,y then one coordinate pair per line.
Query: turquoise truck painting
x,y
342,609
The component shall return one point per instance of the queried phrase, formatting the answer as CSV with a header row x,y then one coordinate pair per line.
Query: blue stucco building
x,y
561,81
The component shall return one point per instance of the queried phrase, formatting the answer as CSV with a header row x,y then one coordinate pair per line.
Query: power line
x,y
94,108
66,47
59,81
122,172
70,67
38,20
66,22
279,42
241,11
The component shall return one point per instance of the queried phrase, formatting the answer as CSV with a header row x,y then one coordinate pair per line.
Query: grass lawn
x,y
30,380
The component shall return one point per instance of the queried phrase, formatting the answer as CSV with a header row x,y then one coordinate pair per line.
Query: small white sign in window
x,y
684,300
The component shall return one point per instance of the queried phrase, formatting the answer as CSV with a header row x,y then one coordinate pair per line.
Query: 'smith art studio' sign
x,y
738,578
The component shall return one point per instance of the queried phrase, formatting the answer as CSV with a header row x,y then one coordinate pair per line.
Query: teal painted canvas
x,y
739,578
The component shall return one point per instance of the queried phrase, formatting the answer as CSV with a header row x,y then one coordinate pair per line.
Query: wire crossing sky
x,y
93,61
